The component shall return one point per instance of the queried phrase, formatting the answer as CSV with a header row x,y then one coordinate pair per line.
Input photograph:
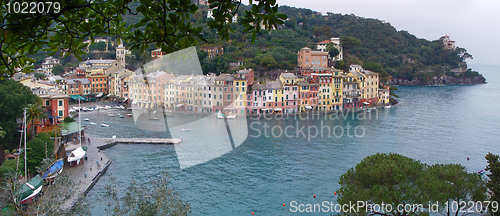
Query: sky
x,y
472,24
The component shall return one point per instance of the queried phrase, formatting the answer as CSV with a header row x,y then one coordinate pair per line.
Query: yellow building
x,y
240,95
337,88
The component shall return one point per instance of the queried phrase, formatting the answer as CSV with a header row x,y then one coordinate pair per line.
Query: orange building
x,y
99,83
306,57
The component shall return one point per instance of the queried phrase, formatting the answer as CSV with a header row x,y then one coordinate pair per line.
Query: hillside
x,y
392,53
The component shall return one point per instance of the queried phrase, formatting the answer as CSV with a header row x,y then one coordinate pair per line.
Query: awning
x,y
308,107
366,103
74,97
179,105
100,94
278,109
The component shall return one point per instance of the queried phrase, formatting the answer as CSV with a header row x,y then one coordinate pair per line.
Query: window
x,y
47,102
60,113
228,96
60,102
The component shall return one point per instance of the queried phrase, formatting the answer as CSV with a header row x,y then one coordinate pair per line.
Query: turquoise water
x,y
440,124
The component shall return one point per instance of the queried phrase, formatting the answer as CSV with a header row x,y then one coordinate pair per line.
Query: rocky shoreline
x,y
439,81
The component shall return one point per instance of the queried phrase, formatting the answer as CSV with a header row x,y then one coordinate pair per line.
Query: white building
x,y
48,64
336,43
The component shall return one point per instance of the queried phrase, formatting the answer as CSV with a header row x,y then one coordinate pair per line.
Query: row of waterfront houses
x,y
315,88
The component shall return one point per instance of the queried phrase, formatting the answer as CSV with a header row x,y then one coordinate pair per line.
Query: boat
x,y
221,115
120,116
185,129
122,107
86,119
54,169
129,115
29,189
104,125
92,123
481,171
154,119
76,155
388,107
117,107
111,115
231,116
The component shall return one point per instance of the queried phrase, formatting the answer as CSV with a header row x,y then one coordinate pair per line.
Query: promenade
x,y
87,174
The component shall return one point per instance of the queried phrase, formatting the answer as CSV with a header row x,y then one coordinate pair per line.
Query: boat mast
x,y
25,150
80,122
21,140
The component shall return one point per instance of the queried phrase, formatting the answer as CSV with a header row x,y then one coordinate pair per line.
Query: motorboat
x,y
120,116
104,125
185,130
154,119
129,115
86,119
111,115
388,107
92,123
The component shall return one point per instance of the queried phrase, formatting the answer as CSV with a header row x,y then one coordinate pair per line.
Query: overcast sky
x,y
473,24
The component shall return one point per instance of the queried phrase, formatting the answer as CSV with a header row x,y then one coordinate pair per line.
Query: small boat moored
x,y
129,115
86,119
104,125
29,189
185,130
92,123
54,169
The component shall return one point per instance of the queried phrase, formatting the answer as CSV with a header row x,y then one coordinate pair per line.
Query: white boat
x,y
86,119
388,107
129,115
107,107
231,116
122,107
104,125
117,107
119,115
185,129
111,115
76,155
92,123
221,115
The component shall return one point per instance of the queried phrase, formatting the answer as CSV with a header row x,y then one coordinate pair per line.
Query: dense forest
x,y
383,49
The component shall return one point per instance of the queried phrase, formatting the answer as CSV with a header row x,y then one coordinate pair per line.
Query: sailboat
x,y
54,169
31,188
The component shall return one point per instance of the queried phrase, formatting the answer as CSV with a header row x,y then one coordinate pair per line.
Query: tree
x,y
339,64
35,112
166,25
332,50
398,180
388,178
36,151
142,200
58,70
324,32
40,76
493,183
2,132
14,96
347,44
268,62
100,46
451,183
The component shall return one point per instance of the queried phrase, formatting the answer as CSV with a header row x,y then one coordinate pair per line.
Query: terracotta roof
x,y
325,41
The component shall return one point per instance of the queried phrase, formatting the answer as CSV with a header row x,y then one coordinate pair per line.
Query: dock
x,y
154,141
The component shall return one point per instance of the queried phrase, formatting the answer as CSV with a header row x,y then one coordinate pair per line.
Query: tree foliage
x,y
162,23
398,180
139,199
493,183
15,97
58,70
